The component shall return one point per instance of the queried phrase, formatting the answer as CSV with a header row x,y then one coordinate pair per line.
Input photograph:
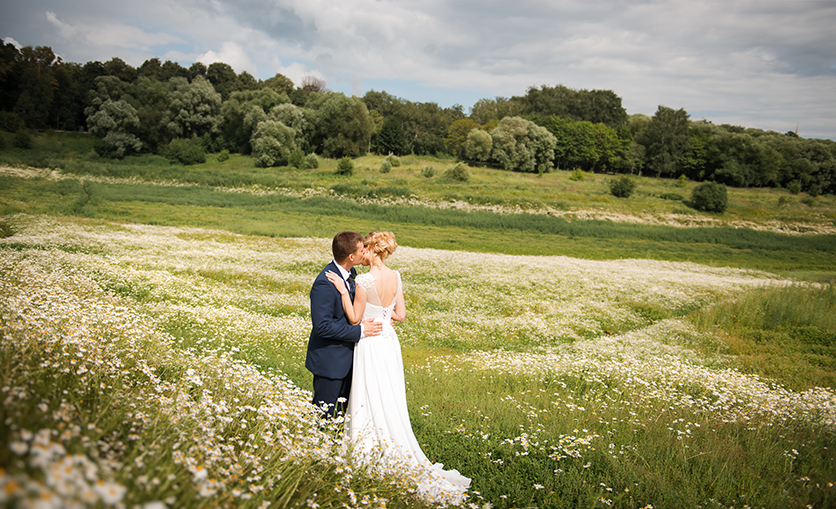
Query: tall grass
x,y
788,333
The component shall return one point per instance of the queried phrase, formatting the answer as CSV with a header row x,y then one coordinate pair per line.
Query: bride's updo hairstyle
x,y
381,244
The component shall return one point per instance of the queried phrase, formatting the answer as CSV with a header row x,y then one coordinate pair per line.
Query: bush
x,y
458,171
622,187
395,161
312,161
794,187
297,159
185,152
577,175
11,122
671,196
428,171
22,139
682,181
345,167
223,156
710,197
385,166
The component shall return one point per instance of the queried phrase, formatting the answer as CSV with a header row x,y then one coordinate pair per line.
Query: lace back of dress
x,y
374,308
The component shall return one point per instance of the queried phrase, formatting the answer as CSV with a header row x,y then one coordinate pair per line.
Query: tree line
x,y
160,106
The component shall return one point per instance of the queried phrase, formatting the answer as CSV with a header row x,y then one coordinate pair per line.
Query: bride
x,y
379,424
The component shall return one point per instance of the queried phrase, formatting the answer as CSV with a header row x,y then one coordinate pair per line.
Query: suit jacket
x,y
331,345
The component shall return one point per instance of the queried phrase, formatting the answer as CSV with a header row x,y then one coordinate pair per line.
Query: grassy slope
x,y
719,243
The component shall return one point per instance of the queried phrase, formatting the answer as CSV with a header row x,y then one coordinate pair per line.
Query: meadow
x,y
567,351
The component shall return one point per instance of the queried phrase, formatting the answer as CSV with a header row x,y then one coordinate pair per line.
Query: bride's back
x,y
386,283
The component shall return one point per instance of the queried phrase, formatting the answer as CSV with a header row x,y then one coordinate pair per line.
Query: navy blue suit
x,y
331,345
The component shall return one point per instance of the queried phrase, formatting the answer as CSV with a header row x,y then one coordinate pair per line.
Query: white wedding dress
x,y
379,425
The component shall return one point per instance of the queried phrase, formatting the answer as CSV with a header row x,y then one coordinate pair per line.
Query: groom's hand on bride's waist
x,y
372,328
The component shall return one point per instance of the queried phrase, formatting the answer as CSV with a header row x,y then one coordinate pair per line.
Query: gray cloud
x,y
759,63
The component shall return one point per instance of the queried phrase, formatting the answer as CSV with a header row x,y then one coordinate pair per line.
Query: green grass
x,y
788,334
284,216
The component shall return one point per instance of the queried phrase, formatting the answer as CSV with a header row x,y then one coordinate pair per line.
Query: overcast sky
x,y
763,63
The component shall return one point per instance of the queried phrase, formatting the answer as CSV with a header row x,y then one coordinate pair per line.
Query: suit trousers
x,y
333,393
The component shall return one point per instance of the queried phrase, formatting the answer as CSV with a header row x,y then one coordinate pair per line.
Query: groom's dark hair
x,y
344,244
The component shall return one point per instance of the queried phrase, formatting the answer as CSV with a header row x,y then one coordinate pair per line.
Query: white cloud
x,y
64,29
9,40
233,54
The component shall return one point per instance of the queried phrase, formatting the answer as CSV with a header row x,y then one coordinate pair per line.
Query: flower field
x,y
147,366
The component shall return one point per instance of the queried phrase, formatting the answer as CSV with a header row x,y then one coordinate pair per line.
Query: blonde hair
x,y
381,244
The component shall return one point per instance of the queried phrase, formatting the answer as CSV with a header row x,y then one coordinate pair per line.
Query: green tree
x,y
457,135
112,118
341,125
243,111
194,109
575,142
222,76
197,69
36,84
152,69
666,141
478,146
117,123
152,105
280,84
522,145
390,138
294,117
118,68
487,110
608,147
273,143
596,106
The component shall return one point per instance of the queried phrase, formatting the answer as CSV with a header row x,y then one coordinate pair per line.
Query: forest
x,y
184,113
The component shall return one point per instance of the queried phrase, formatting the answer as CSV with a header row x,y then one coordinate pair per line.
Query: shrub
x,y
622,187
808,200
395,161
428,171
185,152
458,171
794,187
682,181
710,197
22,139
385,166
223,156
345,167
297,159
671,196
312,161
577,175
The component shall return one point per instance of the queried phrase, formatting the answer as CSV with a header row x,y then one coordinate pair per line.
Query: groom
x,y
331,346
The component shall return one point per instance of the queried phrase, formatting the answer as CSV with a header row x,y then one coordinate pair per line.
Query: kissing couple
x,y
355,357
